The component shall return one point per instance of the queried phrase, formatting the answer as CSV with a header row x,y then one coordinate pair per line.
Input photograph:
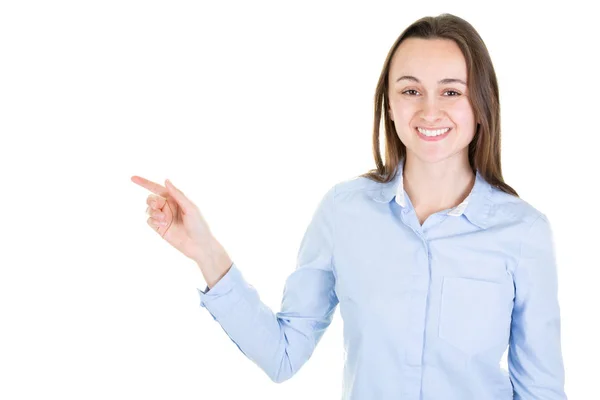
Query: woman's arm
x,y
280,343
535,361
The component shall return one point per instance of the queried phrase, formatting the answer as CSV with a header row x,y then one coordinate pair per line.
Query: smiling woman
x,y
489,256
436,263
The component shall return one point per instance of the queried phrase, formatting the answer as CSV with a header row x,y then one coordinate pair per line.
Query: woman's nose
x,y
432,111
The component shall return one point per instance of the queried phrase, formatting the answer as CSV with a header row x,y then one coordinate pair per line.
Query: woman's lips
x,y
433,138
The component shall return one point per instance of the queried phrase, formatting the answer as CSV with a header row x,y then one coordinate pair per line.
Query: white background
x,y
253,109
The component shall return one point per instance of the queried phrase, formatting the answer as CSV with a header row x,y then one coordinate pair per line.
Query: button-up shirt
x,y
428,309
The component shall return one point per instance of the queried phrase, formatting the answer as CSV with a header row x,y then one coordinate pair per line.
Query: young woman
x,y
435,261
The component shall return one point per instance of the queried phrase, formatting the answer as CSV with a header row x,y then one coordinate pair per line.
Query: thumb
x,y
179,197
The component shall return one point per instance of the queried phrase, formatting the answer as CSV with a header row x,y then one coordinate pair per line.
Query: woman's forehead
x,y
428,59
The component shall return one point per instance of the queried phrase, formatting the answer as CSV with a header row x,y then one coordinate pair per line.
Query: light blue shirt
x,y
428,310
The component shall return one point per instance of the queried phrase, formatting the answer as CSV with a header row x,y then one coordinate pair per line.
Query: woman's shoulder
x,y
358,188
505,206
357,183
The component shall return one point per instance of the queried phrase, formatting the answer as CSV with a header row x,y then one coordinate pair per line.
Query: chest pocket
x,y
475,315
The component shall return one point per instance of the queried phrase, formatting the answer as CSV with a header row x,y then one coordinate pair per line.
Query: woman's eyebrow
x,y
443,81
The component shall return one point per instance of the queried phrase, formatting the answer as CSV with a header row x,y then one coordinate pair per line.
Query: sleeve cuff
x,y
225,294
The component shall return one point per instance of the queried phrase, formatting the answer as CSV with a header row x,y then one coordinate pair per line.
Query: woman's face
x,y
427,90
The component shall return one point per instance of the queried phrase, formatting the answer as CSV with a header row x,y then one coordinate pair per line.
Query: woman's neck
x,y
433,187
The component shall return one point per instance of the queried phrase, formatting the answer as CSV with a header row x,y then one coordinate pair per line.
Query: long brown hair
x,y
484,149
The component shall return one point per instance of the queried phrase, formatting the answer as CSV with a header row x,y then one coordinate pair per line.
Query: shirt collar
x,y
475,207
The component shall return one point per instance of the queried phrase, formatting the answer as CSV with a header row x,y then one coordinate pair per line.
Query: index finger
x,y
151,186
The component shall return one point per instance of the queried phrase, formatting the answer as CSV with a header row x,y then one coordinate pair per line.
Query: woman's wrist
x,y
214,262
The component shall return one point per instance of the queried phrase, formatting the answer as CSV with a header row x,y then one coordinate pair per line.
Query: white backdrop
x,y
253,109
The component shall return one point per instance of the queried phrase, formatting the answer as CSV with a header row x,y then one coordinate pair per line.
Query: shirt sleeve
x,y
535,361
280,343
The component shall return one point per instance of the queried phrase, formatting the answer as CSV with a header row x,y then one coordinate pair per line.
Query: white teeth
x,y
436,132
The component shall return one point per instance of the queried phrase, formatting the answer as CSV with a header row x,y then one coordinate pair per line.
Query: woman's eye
x,y
409,90
452,91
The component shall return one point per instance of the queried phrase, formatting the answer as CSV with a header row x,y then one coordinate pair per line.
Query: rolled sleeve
x,y
216,299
